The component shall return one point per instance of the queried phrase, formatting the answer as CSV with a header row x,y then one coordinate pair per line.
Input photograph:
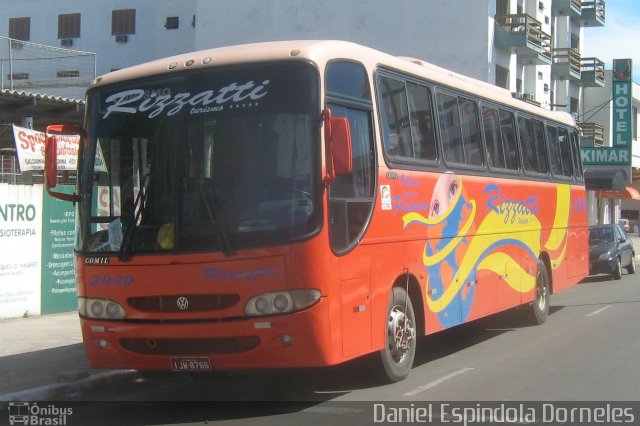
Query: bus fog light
x,y
102,344
286,340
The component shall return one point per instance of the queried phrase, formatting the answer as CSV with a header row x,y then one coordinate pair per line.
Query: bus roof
x,y
321,52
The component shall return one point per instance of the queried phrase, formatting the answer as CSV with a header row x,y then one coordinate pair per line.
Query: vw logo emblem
x,y
183,303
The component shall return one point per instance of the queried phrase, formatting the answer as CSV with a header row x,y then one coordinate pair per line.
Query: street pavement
x,y
42,358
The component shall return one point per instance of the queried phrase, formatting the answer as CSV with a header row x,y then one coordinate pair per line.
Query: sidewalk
x,y
43,357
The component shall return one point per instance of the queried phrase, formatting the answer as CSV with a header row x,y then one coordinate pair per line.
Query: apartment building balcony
x,y
592,72
591,134
566,64
572,8
592,13
523,35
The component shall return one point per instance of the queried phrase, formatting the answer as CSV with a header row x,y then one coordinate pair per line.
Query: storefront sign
x,y
58,279
30,150
20,244
605,156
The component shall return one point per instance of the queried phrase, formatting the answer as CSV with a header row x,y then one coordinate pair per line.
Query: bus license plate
x,y
191,364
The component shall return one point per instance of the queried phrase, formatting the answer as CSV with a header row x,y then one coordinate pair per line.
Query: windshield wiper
x,y
213,205
125,248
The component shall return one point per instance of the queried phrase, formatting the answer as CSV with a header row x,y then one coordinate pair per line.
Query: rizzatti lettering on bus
x,y
133,101
219,274
460,242
512,209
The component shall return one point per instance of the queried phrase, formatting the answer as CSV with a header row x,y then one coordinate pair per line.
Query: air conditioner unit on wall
x,y
66,42
123,38
524,96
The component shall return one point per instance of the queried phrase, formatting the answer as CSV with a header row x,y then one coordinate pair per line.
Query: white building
x,y
531,47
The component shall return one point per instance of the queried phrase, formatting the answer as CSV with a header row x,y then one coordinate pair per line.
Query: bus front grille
x,y
191,347
184,303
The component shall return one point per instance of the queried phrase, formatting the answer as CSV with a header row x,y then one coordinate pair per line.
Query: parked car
x,y
610,250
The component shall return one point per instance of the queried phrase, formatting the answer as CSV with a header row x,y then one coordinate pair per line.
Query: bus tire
x,y
400,336
543,293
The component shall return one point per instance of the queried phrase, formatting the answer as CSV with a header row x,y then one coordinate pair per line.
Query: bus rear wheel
x,y
543,293
400,337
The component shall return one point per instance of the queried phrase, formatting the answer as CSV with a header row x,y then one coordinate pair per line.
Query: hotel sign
x,y
622,103
610,167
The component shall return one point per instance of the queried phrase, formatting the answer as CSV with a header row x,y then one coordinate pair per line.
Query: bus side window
x,y
495,151
540,148
509,141
532,145
526,144
450,129
554,150
407,120
460,130
577,161
396,130
422,128
565,152
470,131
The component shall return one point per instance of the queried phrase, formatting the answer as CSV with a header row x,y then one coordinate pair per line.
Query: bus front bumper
x,y
300,339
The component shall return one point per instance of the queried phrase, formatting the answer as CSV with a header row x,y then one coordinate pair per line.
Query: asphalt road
x,y
588,350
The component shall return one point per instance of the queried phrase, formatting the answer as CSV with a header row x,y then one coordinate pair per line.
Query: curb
x,y
49,392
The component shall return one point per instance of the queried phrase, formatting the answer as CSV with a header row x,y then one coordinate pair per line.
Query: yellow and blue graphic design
x,y
459,243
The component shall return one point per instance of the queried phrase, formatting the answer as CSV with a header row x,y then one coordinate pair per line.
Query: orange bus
x,y
303,203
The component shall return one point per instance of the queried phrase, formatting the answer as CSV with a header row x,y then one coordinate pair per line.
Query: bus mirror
x,y
51,159
341,146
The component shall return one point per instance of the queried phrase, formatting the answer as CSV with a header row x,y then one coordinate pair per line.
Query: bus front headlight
x,y
281,302
100,309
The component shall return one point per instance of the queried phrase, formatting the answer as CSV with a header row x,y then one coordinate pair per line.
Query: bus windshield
x,y
213,159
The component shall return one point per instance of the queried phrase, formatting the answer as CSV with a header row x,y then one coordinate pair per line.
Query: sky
x,y
620,36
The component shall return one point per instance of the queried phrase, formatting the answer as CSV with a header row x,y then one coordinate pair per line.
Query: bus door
x,y
351,199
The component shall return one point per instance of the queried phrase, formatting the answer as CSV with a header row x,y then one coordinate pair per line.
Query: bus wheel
x,y
400,338
541,302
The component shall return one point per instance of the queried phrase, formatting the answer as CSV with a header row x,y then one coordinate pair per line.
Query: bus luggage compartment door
x,y
356,317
